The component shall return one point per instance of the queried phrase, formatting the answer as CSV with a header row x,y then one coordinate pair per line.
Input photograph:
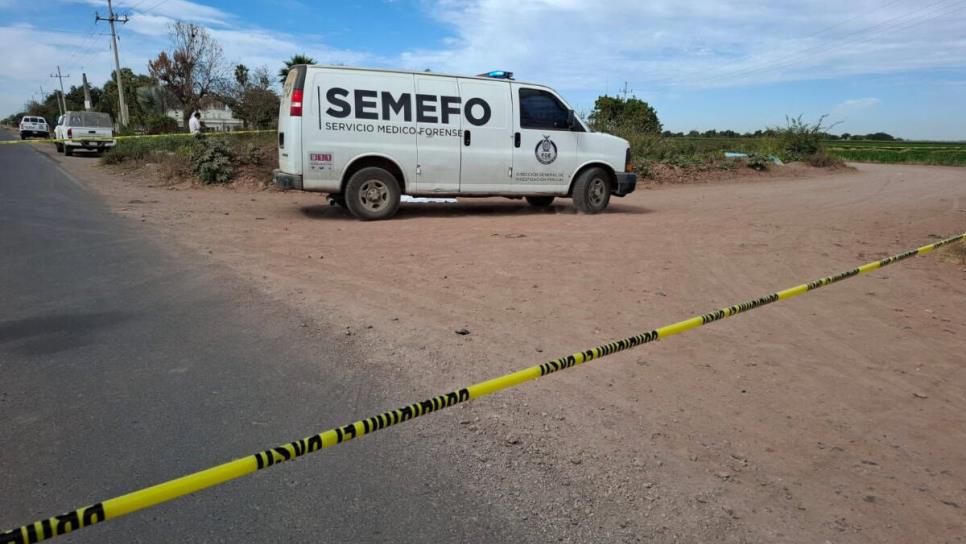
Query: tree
x,y
241,75
48,109
301,58
108,102
881,136
615,114
252,99
192,70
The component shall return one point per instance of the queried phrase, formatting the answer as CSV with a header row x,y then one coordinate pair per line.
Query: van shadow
x,y
411,210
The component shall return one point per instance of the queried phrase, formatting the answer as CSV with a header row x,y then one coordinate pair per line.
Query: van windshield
x,y
90,119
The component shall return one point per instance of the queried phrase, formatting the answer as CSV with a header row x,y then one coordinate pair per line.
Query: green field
x,y
683,148
941,153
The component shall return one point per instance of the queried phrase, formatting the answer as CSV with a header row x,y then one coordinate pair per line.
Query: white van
x,y
368,136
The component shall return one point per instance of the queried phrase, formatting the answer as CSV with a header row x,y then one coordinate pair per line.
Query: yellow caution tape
x,y
172,489
133,137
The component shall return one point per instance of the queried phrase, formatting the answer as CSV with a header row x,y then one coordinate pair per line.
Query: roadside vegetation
x,y
651,148
214,158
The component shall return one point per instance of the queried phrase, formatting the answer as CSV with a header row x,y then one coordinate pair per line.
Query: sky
x,y
897,66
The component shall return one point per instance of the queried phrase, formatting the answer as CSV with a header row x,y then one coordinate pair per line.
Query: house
x,y
215,117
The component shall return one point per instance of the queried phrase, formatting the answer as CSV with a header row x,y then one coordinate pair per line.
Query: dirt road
x,y
839,416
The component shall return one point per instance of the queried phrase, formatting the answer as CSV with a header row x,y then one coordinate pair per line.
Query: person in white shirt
x,y
194,124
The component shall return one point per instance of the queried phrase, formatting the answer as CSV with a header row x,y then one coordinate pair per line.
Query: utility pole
x,y
111,18
62,103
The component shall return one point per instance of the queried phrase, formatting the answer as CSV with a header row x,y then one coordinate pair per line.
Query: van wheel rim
x,y
374,195
598,190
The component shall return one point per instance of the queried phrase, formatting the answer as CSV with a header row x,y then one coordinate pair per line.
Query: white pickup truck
x,y
33,126
89,130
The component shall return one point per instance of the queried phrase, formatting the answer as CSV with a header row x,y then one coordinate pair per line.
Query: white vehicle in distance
x,y
368,136
87,130
34,126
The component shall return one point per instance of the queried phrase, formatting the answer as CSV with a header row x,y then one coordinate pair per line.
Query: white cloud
x,y
87,48
856,104
666,44
175,9
582,48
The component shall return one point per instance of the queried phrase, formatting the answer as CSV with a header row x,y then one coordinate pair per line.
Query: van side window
x,y
541,110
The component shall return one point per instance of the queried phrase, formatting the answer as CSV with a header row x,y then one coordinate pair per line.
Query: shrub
x,y
252,154
821,159
798,140
757,161
213,161
160,124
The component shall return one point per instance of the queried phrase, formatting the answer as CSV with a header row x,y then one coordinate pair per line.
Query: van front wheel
x,y
592,190
372,194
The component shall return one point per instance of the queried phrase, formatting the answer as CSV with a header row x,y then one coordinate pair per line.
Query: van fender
x,y
591,164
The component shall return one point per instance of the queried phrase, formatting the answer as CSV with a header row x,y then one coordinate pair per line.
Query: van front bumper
x,y
626,182
286,180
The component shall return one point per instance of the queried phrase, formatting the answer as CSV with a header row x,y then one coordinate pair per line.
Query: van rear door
x,y
290,121
438,142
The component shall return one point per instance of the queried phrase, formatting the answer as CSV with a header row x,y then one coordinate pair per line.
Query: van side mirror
x,y
571,119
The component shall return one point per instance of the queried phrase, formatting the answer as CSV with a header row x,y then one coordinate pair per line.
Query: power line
x,y
154,7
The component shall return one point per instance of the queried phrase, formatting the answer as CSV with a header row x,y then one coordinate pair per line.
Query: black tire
x,y
68,151
22,137
59,147
592,190
372,194
540,201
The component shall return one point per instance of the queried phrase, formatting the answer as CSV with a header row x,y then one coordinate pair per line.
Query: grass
x,y
937,153
695,151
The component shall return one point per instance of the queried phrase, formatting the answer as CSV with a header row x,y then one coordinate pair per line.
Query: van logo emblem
x,y
546,151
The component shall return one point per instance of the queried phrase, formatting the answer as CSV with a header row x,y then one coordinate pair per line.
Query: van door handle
x,y
516,139
466,137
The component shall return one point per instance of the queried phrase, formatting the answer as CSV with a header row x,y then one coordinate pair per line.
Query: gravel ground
x,y
836,417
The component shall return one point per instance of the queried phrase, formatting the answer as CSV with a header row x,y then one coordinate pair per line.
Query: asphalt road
x,y
123,364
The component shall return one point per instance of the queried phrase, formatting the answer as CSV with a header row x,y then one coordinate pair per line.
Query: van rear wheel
x,y
372,194
592,190
540,201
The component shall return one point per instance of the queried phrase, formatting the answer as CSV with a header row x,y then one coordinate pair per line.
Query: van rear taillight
x,y
70,133
295,110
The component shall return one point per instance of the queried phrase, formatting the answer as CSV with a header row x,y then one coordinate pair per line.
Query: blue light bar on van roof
x,y
498,74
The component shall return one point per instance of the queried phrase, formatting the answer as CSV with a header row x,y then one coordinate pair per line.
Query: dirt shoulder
x,y
838,416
